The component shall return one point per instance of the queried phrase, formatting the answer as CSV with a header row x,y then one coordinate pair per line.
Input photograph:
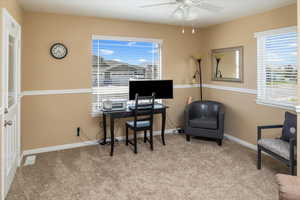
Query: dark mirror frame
x,y
241,64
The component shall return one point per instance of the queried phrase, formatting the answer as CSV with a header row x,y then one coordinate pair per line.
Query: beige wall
x,y
240,32
242,113
52,119
13,8
42,72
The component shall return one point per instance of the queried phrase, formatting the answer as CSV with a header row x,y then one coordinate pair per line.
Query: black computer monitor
x,y
163,89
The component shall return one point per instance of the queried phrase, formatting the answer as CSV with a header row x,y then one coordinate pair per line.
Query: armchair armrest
x,y
221,117
292,141
259,129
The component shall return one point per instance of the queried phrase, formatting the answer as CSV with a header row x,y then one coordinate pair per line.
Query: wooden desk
x,y
158,109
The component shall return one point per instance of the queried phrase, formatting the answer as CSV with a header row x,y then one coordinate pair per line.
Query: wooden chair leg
x,y
126,135
145,136
135,142
258,157
151,139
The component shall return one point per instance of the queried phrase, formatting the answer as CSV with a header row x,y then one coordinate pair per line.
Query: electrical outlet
x,y
78,131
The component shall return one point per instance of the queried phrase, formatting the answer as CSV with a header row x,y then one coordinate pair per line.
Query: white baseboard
x,y
81,144
241,142
59,147
120,138
176,86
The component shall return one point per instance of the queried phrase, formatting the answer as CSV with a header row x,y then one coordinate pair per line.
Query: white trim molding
x,y
241,142
82,91
233,89
186,86
82,144
276,31
127,39
287,107
180,86
50,92
298,109
59,147
122,138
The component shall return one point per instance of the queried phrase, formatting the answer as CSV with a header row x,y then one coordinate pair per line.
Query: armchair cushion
x,y
139,124
290,126
277,146
208,123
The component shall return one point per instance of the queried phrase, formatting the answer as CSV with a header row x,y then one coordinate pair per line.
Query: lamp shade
x,y
219,55
198,56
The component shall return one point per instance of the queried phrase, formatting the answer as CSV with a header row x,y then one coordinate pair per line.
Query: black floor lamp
x,y
199,72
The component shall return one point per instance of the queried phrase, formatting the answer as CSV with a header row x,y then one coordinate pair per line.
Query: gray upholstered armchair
x,y
204,119
282,148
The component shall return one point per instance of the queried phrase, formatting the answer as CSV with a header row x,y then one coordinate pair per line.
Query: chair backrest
x,y
199,109
144,109
289,127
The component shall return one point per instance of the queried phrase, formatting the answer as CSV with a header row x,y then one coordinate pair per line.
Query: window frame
x,y
260,76
128,39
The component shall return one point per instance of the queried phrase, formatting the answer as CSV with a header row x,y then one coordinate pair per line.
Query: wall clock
x,y
58,51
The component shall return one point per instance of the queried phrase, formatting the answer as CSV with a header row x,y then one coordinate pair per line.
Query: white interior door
x,y
11,104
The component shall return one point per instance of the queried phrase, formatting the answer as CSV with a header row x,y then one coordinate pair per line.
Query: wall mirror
x,y
227,64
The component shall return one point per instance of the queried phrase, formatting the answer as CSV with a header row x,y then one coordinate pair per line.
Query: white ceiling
x,y
130,9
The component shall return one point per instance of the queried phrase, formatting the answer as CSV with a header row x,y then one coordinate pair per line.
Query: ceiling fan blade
x,y
209,7
158,4
177,10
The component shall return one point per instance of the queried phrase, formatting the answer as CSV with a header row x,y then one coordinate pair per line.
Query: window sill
x,y
286,107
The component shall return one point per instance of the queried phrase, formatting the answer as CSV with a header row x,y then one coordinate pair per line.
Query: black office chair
x,y
143,120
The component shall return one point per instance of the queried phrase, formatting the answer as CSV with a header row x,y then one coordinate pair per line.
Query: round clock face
x,y
58,51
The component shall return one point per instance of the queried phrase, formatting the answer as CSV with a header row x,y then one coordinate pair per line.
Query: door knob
x,y
8,123
5,111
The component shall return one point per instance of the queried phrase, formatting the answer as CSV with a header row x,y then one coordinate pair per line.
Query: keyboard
x,y
132,107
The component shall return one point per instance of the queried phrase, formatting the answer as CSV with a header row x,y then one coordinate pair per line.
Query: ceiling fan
x,y
183,4
183,8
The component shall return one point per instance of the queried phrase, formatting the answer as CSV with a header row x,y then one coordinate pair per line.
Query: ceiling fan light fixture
x,y
185,10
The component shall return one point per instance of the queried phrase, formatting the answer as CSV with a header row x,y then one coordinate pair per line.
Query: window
x,y
277,67
116,61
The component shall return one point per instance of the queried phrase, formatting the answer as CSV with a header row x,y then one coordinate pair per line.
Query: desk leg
x,y
112,126
163,126
104,129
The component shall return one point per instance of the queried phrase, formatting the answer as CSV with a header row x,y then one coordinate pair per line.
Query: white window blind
x,y
116,61
277,67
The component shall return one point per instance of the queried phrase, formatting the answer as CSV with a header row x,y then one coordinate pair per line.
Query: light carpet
x,y
178,171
